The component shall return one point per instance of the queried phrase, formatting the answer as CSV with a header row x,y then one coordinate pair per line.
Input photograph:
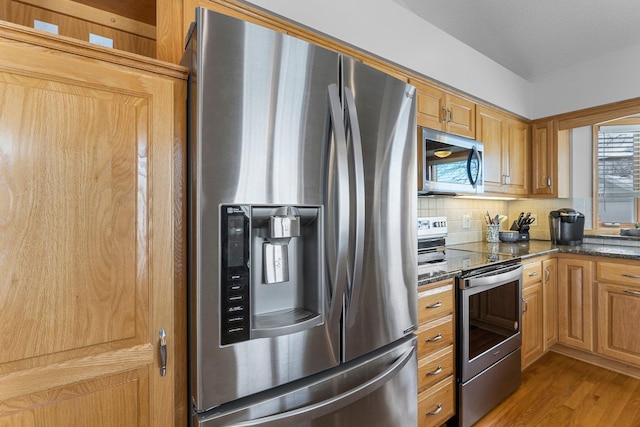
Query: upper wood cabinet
x,y
575,303
550,160
506,146
91,240
443,111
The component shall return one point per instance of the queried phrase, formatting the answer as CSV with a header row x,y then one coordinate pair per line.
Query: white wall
x,y
388,30
610,78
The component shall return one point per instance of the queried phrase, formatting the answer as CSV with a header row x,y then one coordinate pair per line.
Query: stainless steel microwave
x,y
449,164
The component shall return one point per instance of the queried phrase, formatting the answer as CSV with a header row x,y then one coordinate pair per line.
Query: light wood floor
x,y
561,391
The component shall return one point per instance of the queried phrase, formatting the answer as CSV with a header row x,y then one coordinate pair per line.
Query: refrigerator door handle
x,y
333,404
353,129
337,236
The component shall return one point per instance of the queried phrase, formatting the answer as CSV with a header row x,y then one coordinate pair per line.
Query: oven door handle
x,y
494,278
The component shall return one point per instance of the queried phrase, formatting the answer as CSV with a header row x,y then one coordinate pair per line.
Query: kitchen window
x,y
617,145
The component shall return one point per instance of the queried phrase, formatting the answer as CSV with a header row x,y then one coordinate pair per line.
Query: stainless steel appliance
x,y
488,336
432,233
449,164
302,225
566,227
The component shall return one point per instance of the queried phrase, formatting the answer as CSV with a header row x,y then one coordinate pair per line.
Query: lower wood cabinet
x,y
539,308
575,303
618,295
436,337
532,323
550,304
437,404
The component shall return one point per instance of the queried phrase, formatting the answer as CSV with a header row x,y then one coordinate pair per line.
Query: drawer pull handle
x,y
436,372
437,411
631,276
534,273
436,305
434,339
632,292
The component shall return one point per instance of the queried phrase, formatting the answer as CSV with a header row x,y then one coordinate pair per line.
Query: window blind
x,y
619,164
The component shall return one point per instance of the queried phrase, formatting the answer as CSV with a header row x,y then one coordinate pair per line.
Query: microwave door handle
x,y
473,155
355,143
337,207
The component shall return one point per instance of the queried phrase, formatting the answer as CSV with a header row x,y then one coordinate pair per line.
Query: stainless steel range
x,y
488,336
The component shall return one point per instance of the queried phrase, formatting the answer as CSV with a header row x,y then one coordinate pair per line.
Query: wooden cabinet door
x,y
575,305
431,107
532,329
618,320
462,116
550,306
86,240
439,110
517,159
490,131
543,153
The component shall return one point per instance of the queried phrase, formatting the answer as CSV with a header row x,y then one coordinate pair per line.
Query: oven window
x,y
494,316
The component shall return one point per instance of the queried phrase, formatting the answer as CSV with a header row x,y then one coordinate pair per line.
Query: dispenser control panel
x,y
234,280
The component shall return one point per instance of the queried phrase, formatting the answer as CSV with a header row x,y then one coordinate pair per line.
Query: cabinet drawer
x,y
435,301
435,367
435,336
436,405
532,273
627,274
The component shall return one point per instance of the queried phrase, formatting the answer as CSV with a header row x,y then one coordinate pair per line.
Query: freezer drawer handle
x,y
434,339
335,403
437,411
163,352
436,305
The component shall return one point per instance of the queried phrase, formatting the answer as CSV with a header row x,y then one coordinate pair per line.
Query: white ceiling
x,y
535,37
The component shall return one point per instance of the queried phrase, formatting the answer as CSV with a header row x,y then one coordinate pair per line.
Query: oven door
x,y
490,316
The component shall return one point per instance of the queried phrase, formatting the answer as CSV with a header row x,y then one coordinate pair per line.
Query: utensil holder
x,y
492,233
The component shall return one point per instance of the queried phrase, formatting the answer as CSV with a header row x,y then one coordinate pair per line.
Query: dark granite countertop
x,y
532,249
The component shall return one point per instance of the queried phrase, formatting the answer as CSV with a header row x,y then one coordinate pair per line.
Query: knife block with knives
x,y
521,225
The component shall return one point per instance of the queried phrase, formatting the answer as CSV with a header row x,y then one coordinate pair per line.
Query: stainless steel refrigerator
x,y
302,233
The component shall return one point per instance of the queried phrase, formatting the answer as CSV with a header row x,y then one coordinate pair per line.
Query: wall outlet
x,y
466,221
535,220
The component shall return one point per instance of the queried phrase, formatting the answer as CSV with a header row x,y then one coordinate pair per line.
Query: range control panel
x,y
432,226
234,280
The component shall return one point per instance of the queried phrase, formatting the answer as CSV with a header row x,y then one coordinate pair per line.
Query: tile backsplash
x,y
455,209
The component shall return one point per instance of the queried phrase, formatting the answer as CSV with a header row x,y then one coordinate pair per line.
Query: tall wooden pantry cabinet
x,y
91,238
